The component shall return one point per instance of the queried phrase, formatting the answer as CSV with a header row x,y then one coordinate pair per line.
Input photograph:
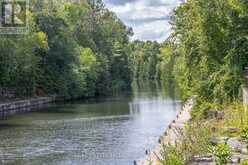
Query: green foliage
x,y
171,156
201,108
194,140
245,162
234,118
244,135
144,59
221,153
74,50
207,52
19,62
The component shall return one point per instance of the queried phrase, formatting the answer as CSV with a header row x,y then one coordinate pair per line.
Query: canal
x,y
109,131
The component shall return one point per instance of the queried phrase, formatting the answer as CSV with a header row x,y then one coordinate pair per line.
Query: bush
x,y
245,162
221,153
201,108
194,140
244,135
171,156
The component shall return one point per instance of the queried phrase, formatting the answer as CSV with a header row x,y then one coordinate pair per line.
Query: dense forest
x,y
207,51
144,58
82,49
205,57
72,50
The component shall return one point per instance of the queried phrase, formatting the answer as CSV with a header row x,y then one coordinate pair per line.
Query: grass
x,y
193,141
235,117
171,156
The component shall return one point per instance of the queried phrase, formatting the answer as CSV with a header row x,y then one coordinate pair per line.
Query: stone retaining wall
x,y
245,95
11,108
245,89
171,135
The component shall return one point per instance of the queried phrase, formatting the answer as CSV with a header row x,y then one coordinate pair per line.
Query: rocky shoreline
x,y
237,146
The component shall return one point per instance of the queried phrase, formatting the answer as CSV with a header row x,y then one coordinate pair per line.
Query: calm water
x,y
113,131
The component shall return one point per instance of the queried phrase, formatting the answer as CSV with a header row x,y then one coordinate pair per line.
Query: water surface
x,y
112,131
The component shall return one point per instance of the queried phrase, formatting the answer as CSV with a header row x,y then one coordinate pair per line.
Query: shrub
x,y
244,135
201,108
194,140
171,156
221,153
245,162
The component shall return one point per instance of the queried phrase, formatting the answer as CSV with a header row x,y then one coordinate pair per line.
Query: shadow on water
x,y
10,125
56,108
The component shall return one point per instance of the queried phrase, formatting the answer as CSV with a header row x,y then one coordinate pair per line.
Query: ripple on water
x,y
107,132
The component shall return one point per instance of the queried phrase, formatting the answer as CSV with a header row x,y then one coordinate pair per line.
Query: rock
x,y
205,158
235,159
224,138
213,129
218,140
211,113
220,115
235,144
203,163
213,140
232,130
244,150
160,140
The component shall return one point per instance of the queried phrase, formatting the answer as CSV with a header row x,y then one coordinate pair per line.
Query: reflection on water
x,y
101,132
